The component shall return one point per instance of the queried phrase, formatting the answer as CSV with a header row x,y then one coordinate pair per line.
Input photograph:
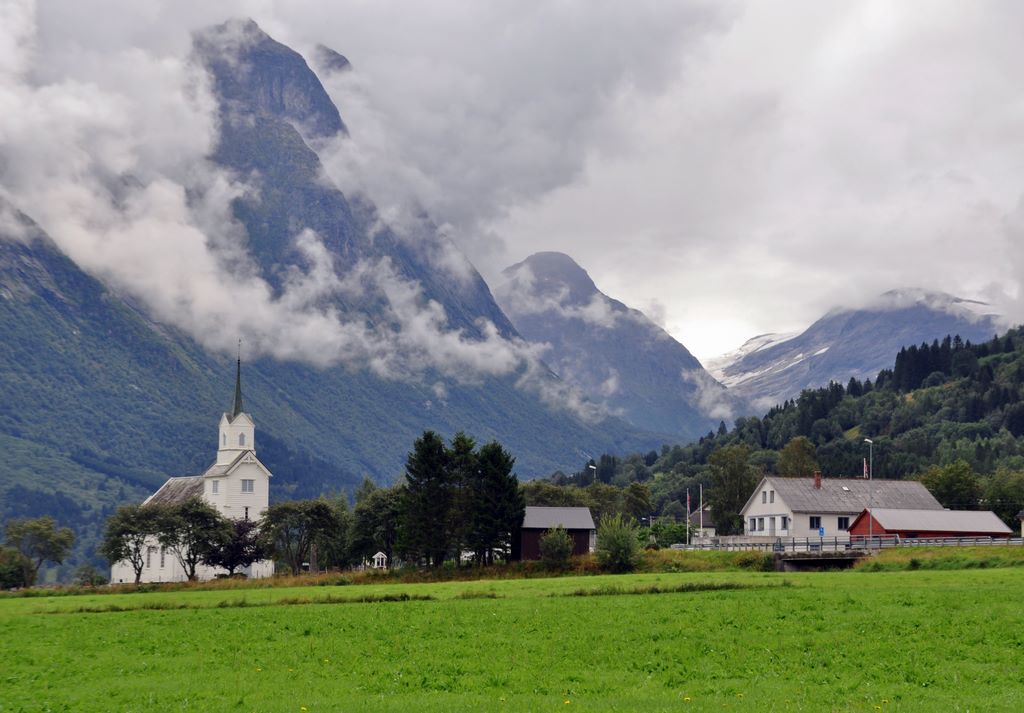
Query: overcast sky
x,y
729,168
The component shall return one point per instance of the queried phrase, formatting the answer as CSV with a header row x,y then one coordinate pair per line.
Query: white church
x,y
237,485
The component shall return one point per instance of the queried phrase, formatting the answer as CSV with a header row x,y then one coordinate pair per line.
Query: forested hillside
x,y
950,412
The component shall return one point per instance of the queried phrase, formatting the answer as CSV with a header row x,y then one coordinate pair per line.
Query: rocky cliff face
x,y
100,401
610,350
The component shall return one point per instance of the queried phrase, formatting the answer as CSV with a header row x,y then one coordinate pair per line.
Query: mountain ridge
x,y
609,349
845,343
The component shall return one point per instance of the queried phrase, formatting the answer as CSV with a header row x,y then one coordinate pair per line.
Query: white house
x,y
802,507
237,485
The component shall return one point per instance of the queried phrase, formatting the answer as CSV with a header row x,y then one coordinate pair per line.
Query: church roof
x,y
224,469
177,490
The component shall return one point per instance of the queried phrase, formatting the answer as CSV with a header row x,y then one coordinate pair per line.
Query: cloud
x,y
810,155
520,295
712,399
746,166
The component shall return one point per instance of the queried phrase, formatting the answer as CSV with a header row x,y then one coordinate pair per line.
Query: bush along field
x,y
857,641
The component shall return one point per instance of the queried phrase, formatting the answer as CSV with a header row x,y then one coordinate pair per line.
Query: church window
x,y
247,486
241,439
162,553
223,439
214,486
149,556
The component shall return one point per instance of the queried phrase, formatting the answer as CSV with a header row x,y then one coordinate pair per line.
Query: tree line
x,y
945,407
453,499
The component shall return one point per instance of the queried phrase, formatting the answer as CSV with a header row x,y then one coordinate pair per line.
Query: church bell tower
x,y
237,429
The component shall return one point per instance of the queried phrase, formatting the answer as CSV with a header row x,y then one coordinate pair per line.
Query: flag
x,y
866,476
688,511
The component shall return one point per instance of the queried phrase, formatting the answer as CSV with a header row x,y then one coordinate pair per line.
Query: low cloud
x,y
108,153
712,399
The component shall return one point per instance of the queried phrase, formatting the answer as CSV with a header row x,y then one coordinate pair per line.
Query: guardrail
x,y
844,545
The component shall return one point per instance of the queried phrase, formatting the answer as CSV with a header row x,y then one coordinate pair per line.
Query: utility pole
x,y
871,485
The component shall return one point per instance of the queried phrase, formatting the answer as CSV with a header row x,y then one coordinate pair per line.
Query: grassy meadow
x,y
735,641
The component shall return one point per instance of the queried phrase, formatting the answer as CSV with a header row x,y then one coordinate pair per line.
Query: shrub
x,y
88,576
555,549
617,547
13,568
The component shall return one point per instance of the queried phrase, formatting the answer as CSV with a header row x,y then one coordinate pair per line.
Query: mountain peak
x,y
328,61
554,273
254,73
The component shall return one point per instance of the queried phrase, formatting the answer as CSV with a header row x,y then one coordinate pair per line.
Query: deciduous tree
x,y
39,540
191,531
732,482
127,534
239,548
289,528
797,458
954,485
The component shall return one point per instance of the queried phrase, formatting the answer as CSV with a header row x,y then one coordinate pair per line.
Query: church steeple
x,y
237,429
236,405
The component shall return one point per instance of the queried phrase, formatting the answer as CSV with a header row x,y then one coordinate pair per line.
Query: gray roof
x,y
708,519
848,495
538,517
941,520
177,490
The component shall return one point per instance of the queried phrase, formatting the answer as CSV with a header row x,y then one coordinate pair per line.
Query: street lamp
x,y
594,474
871,457
871,468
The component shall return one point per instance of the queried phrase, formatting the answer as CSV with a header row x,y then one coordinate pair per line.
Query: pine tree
x,y
497,505
424,529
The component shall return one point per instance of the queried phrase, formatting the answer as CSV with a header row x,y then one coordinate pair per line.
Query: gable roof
x,y
538,517
708,519
847,495
940,520
221,470
177,490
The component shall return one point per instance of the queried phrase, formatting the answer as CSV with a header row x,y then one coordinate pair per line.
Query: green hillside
x,y
949,404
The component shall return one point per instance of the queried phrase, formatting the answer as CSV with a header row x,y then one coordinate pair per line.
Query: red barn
x,y
928,523
538,520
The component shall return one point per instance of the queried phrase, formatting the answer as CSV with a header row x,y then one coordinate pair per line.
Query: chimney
x,y
817,480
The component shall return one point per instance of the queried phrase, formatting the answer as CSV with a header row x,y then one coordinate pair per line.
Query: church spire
x,y
236,405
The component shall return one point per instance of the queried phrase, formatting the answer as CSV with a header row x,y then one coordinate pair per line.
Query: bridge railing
x,y
848,544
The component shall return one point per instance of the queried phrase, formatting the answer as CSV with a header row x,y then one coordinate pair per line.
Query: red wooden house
x,y
881,522
538,520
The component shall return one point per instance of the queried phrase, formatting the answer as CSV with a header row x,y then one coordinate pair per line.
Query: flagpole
x,y
702,509
689,535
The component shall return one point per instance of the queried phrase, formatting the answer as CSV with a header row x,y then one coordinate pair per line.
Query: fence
x,y
843,544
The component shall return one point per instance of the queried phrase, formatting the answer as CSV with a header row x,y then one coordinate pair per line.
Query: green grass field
x,y
737,641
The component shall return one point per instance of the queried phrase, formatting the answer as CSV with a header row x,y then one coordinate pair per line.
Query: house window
x,y
241,439
760,523
844,523
149,556
214,486
247,486
771,496
764,496
753,524
785,522
815,522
